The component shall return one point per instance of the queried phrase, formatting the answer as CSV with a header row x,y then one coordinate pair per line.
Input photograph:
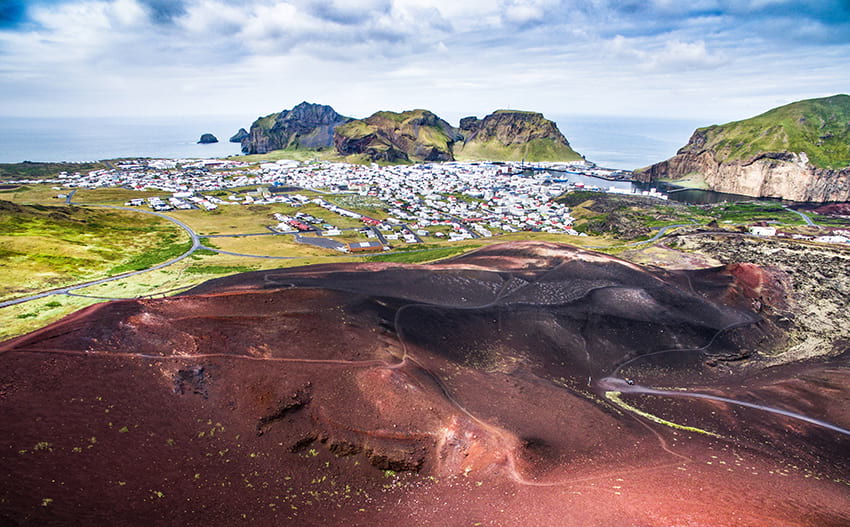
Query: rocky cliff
x,y
307,125
799,152
239,136
410,136
510,135
415,135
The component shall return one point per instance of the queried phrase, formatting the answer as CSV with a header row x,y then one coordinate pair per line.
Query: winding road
x,y
805,217
659,234
196,244
615,384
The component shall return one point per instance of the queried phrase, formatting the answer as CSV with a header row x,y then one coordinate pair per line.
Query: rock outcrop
x,y
239,136
410,136
207,139
419,135
799,152
512,135
306,126
415,135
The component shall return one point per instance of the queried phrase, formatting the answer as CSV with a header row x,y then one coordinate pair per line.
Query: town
x,y
445,201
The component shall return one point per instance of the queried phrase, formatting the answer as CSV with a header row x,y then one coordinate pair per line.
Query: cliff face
x,y
411,136
415,135
510,135
239,136
799,152
307,125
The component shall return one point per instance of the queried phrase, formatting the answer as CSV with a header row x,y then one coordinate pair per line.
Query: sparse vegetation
x,y
50,246
423,255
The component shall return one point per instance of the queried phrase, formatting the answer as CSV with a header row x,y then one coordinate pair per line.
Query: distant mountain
x,y
512,135
306,126
800,152
411,136
415,135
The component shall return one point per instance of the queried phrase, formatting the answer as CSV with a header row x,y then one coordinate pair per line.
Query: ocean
x,y
611,142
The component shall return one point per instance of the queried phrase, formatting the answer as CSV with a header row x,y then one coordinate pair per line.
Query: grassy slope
x,y
303,155
403,122
819,127
428,136
534,150
45,247
489,142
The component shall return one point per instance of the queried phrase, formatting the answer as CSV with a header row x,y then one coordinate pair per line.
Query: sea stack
x,y
239,136
207,139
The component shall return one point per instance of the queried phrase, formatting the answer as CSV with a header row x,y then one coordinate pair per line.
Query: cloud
x,y
667,56
485,53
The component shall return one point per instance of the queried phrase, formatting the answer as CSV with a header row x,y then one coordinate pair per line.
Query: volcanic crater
x,y
521,384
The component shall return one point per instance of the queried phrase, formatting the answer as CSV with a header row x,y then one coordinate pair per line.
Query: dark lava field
x,y
527,384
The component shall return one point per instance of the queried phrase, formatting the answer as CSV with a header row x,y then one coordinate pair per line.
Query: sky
x,y
717,60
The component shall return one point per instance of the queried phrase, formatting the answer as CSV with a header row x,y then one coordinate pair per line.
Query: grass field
x,y
114,196
283,245
34,195
231,219
43,247
60,245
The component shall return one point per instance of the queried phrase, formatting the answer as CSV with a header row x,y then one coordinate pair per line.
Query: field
x,y
195,270
59,245
47,247
114,196
279,246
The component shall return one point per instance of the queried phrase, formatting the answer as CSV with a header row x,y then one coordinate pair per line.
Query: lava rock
x,y
239,136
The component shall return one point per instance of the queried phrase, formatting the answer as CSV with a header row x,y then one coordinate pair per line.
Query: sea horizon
x,y
614,142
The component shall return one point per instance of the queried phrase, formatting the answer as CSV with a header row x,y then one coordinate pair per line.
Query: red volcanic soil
x,y
839,209
468,392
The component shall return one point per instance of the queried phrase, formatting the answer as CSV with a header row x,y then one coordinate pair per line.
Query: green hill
x,y
818,127
414,135
513,135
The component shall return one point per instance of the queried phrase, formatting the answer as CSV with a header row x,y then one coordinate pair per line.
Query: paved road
x,y
415,236
471,231
658,235
800,214
379,235
324,243
250,234
196,244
